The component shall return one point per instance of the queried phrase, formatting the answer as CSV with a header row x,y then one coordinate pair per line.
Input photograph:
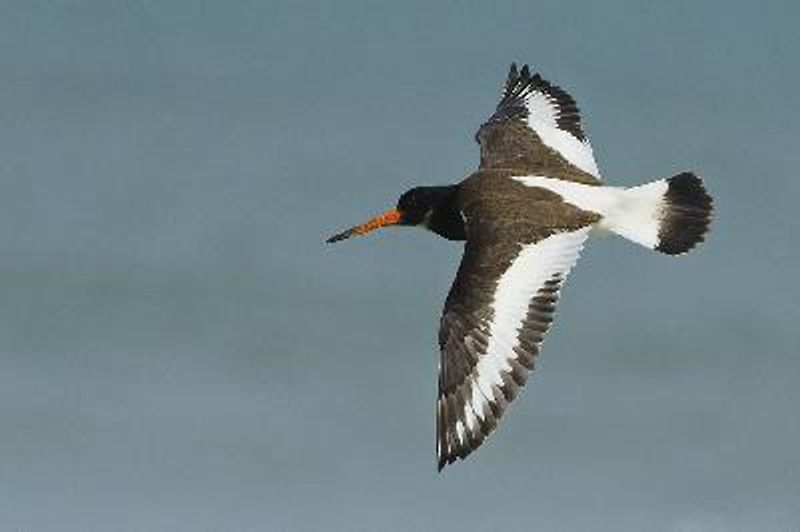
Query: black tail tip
x,y
687,214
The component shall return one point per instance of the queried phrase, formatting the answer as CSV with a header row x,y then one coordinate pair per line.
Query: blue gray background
x,y
180,351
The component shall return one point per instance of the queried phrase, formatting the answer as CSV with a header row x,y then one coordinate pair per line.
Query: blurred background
x,y
180,351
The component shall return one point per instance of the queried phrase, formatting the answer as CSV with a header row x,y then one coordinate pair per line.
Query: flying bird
x,y
525,215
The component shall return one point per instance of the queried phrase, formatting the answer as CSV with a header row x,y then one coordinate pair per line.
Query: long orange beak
x,y
392,217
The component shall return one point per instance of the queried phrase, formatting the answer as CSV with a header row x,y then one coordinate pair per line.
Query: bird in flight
x,y
525,214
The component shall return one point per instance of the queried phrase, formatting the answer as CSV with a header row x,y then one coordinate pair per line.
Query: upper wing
x,y
537,127
497,312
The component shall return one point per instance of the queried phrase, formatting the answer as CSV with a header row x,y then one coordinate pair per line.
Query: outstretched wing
x,y
497,312
537,127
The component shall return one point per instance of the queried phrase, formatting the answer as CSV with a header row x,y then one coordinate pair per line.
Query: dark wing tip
x,y
521,82
512,72
516,76
451,455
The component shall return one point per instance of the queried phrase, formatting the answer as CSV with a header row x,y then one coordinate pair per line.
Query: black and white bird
x,y
525,215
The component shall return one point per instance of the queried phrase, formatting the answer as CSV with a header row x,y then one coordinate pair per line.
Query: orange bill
x,y
392,217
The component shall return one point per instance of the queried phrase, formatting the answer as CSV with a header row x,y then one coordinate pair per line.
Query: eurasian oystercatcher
x,y
525,215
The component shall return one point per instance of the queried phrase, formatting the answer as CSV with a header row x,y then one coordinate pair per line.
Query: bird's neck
x,y
446,219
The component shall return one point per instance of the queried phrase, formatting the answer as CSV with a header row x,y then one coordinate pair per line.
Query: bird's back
x,y
494,198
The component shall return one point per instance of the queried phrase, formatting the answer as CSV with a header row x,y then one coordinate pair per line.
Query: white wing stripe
x,y
460,432
478,400
533,266
469,415
543,113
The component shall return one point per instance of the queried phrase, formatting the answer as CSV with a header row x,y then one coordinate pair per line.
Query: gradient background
x,y
180,351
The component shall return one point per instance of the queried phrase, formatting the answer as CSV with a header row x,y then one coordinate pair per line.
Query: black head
x,y
431,207
417,205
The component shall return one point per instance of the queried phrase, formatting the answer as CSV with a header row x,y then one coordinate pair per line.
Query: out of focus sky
x,y
180,351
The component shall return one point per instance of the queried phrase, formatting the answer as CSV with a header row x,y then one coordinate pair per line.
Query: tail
x,y
669,215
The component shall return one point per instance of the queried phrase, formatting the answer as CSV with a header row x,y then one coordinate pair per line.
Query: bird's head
x,y
418,206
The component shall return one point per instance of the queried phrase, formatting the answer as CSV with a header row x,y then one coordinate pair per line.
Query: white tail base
x,y
634,213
